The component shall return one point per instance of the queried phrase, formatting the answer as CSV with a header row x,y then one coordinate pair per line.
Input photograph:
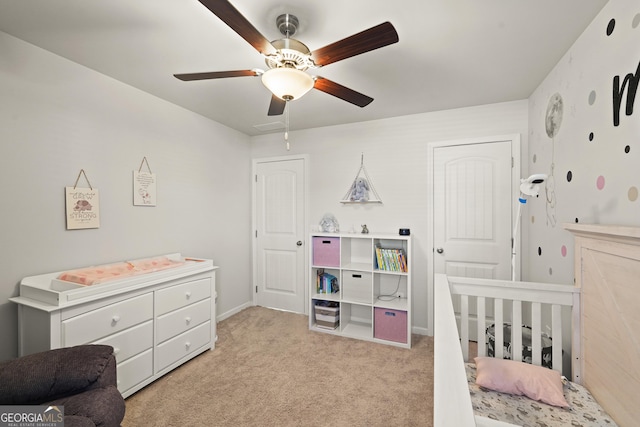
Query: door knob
x,y
299,243
440,250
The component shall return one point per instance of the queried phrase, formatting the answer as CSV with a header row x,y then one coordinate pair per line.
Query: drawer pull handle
x,y
188,320
357,276
116,350
188,294
187,345
115,319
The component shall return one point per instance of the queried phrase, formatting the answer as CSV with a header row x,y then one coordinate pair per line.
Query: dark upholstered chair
x,y
82,379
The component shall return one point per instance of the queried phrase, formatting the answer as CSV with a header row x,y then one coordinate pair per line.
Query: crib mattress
x,y
584,411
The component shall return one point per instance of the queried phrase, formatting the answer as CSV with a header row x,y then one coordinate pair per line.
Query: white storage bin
x,y
357,286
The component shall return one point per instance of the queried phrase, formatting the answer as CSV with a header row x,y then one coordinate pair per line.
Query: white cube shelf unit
x,y
361,286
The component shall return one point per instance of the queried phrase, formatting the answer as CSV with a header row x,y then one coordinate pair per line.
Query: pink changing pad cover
x,y
103,273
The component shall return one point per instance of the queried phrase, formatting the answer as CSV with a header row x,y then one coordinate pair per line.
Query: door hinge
x,y
256,289
512,162
256,234
256,177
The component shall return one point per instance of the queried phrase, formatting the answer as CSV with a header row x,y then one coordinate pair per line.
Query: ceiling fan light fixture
x,y
287,83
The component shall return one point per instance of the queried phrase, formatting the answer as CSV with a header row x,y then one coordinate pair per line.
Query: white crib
x,y
600,314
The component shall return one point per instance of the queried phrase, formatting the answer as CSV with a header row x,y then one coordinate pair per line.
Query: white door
x,y
279,235
472,209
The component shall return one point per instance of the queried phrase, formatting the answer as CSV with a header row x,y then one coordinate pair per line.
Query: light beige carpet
x,y
268,369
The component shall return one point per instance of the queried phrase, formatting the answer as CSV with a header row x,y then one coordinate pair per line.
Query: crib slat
x,y
536,333
464,326
556,334
482,326
516,331
499,328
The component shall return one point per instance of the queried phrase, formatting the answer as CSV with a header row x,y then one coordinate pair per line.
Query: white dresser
x,y
154,321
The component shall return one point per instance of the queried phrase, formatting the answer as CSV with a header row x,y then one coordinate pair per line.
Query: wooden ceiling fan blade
x,y
365,41
238,23
216,75
342,92
276,107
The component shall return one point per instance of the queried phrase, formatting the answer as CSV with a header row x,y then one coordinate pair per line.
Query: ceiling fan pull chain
x,y
286,124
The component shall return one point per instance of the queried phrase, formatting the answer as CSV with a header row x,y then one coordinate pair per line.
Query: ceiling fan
x,y
288,59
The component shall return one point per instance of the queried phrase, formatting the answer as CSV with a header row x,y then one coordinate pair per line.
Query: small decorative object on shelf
x,y
361,190
329,224
365,230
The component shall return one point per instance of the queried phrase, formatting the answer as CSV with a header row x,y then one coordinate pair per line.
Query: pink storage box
x,y
326,251
390,325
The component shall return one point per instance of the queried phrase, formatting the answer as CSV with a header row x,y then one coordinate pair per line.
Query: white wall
x,y
595,180
395,157
57,117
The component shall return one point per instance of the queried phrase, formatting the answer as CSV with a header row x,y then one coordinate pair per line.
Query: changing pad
x,y
103,273
520,410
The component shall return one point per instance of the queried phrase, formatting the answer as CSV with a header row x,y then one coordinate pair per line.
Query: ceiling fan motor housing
x,y
292,53
287,24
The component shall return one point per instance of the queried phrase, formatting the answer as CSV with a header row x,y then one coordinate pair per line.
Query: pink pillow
x,y
523,379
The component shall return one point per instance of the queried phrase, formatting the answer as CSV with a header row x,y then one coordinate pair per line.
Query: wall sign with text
x,y
83,208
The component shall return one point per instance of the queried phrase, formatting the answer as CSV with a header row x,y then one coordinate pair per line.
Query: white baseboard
x,y
233,311
420,331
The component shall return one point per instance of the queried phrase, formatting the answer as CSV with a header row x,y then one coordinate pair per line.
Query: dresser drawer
x,y
176,348
135,370
178,296
107,320
171,324
131,341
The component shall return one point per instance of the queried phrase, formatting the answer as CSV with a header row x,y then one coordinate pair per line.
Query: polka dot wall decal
x,y
539,251
563,250
592,97
590,136
636,21
633,194
577,221
569,176
627,149
611,26
600,182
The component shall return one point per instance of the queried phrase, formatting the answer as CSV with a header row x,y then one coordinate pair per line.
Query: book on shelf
x,y
391,259
326,283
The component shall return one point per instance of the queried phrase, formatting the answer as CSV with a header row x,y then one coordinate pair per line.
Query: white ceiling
x,y
451,53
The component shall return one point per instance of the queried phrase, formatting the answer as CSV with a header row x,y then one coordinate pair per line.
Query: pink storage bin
x,y
326,251
390,325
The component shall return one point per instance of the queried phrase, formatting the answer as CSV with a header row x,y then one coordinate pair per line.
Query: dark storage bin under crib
x,y
526,344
